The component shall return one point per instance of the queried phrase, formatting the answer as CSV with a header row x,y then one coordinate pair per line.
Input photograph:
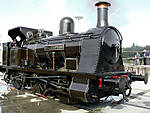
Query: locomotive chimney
x,y
102,13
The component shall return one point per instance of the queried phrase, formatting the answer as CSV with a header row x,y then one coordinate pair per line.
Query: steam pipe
x,y
53,55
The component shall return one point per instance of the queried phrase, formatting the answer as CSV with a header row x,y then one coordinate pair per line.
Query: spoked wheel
x,y
65,99
39,88
35,88
128,92
125,94
17,83
6,78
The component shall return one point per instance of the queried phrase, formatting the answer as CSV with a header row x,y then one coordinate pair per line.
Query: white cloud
x,y
137,29
81,25
56,11
46,15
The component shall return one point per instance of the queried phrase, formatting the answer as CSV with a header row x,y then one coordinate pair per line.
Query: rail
x,y
139,69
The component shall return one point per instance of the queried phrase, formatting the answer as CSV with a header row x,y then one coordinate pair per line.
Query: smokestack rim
x,y
102,3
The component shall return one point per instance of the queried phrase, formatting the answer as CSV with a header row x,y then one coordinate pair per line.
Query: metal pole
x,y
53,55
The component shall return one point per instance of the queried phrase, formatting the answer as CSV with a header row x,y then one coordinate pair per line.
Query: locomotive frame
x,y
78,66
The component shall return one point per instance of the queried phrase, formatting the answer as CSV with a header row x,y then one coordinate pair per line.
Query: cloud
x,y
81,25
48,13
137,29
30,13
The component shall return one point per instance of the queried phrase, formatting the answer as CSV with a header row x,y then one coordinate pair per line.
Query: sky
x,y
130,17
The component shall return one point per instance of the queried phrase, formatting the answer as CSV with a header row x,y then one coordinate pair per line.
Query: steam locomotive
x,y
77,66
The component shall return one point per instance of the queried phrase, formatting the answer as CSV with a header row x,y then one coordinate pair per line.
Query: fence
x,y
131,61
139,69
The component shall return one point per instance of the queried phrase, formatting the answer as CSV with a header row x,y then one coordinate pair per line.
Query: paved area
x,y
139,101
25,102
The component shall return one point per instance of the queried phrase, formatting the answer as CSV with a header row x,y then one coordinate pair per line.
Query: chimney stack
x,y
102,13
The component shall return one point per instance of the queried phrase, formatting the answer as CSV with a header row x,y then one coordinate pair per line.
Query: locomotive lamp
x,y
102,13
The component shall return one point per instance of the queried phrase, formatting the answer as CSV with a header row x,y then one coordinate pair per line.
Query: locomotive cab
x,y
17,53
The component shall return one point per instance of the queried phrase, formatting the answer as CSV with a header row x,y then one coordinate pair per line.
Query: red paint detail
x,y
42,95
116,77
100,82
126,76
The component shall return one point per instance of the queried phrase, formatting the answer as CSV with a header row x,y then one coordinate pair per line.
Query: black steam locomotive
x,y
77,66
